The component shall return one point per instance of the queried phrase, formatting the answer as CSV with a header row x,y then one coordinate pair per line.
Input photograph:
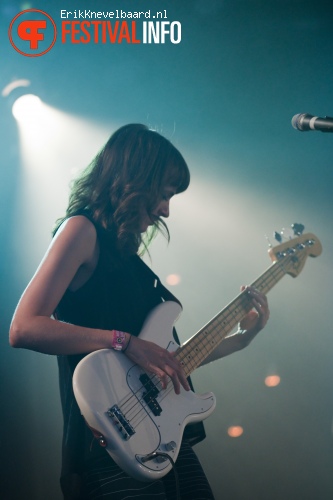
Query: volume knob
x,y
171,446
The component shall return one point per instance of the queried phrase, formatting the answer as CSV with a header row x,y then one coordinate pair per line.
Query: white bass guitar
x,y
140,424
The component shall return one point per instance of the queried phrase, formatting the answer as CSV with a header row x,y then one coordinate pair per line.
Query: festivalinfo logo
x,y
33,32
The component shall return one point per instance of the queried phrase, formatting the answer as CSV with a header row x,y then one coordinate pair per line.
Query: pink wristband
x,y
118,340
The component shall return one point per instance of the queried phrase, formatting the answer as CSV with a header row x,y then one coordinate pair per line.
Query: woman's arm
x,y
73,249
72,253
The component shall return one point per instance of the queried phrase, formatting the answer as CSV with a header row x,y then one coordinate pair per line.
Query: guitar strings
x,y
275,272
143,406
182,359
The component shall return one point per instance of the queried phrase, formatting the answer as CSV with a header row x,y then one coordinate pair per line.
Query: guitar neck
x,y
203,343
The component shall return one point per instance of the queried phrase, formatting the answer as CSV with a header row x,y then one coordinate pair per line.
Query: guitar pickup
x,y
149,395
121,422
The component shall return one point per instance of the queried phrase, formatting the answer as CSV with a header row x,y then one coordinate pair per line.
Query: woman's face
x,y
160,210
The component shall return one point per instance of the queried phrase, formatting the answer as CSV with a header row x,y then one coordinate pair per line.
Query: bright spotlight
x,y
26,107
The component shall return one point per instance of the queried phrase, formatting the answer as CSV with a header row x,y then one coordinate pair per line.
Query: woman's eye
x,y
167,196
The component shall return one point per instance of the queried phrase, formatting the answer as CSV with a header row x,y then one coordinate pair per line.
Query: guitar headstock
x,y
292,253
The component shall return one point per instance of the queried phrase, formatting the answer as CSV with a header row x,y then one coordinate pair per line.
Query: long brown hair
x,y
127,175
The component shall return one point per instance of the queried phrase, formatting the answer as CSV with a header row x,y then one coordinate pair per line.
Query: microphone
x,y
305,122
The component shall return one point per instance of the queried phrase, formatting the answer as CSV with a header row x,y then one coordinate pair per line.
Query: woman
x,y
93,291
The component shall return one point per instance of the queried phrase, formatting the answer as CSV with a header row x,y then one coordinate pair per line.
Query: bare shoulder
x,y
79,226
77,233
77,230
68,262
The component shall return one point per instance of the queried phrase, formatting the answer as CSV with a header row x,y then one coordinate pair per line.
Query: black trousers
x,y
104,480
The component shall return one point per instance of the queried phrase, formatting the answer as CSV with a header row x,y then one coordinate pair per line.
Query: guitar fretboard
x,y
203,343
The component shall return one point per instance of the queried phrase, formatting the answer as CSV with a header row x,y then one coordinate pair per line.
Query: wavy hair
x,y
127,176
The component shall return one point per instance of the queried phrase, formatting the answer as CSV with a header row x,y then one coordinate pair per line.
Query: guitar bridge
x,y
121,422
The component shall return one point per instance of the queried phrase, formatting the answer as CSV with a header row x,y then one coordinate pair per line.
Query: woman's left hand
x,y
250,325
256,319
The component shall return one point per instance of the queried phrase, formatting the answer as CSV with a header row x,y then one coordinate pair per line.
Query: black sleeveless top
x,y
119,295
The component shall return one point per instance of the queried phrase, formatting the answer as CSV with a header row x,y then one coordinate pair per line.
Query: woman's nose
x,y
164,208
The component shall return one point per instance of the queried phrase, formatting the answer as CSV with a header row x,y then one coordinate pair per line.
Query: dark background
x,y
225,96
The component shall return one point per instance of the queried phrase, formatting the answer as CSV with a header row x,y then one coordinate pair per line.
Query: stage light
x,y
26,108
173,279
272,380
235,431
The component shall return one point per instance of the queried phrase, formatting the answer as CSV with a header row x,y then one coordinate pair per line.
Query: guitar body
x,y
129,408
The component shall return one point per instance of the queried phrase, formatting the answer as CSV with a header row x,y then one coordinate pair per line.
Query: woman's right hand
x,y
162,363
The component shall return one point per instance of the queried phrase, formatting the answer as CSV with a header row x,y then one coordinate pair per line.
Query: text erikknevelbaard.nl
x,y
88,26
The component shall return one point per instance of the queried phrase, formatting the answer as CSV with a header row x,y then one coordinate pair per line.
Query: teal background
x,y
225,96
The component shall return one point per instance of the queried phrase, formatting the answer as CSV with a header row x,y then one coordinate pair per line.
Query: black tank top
x,y
119,295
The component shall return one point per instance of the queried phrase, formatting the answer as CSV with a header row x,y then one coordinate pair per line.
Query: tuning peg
x,y
278,236
298,228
